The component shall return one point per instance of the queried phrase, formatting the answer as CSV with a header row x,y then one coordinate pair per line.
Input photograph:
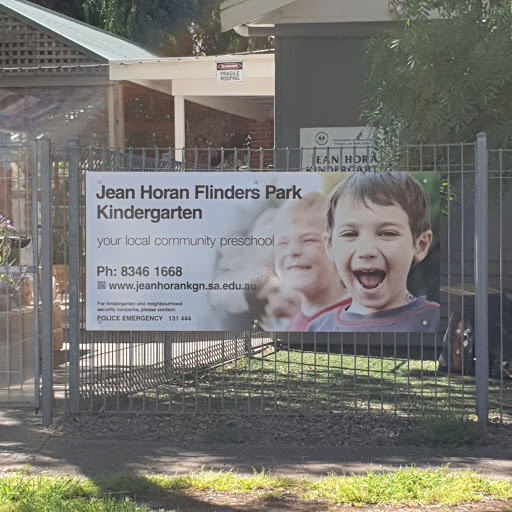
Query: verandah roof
x,y
97,43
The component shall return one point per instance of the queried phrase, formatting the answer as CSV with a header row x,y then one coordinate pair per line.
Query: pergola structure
x,y
195,79
54,73
63,78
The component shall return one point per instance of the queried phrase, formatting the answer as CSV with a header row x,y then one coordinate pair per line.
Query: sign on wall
x,y
233,251
337,149
230,72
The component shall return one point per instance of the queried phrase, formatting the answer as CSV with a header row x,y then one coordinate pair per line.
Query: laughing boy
x,y
378,227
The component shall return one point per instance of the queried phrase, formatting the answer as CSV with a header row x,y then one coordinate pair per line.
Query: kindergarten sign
x,y
337,149
233,251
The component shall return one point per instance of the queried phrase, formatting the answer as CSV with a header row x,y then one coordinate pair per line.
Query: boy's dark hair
x,y
385,189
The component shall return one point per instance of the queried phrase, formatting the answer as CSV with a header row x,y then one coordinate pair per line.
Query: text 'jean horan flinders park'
x,y
200,192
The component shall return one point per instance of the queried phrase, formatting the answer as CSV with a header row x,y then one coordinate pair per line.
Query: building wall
x,y
262,136
149,122
319,77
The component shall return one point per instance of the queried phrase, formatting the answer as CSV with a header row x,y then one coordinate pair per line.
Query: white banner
x,y
212,251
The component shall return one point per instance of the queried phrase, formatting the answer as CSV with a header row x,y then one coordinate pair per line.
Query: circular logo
x,y
321,138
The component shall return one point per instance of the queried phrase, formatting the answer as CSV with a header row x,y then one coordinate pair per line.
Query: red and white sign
x,y
230,72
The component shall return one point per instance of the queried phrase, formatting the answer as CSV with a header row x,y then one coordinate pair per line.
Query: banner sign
x,y
276,251
346,148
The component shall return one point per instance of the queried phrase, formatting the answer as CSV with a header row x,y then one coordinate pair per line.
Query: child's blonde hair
x,y
295,211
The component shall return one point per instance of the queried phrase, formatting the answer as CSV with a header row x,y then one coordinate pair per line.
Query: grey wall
x,y
319,77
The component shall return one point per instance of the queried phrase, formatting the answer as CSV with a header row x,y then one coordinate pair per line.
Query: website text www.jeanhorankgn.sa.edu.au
x,y
139,286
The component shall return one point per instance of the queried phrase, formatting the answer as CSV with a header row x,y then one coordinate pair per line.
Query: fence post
x,y
481,297
34,173
74,275
47,288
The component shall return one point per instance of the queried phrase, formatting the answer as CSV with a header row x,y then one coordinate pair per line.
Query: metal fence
x,y
25,322
291,373
287,372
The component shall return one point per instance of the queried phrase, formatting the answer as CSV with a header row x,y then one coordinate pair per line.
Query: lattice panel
x,y
24,49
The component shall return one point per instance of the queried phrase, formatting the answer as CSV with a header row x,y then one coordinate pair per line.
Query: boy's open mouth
x,y
371,278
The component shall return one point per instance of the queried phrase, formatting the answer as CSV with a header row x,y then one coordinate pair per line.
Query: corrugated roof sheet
x,y
102,44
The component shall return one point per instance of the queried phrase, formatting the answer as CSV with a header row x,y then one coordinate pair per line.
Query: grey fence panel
x,y
500,282
293,373
20,304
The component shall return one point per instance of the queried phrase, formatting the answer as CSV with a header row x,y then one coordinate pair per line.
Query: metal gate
x,y
269,373
25,274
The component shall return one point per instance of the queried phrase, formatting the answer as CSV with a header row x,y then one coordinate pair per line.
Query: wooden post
x,y
116,125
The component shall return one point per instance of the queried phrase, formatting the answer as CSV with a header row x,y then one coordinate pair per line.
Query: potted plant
x,y
24,285
6,232
9,292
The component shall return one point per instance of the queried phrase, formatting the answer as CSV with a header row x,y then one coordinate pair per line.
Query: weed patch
x,y
121,493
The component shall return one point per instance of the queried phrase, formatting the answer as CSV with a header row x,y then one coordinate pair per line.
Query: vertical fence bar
x,y
74,275
481,276
47,295
501,177
35,253
462,271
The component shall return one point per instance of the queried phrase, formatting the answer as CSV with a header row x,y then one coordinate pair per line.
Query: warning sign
x,y
230,72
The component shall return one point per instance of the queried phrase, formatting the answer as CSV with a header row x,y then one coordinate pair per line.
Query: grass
x,y
297,382
411,487
26,493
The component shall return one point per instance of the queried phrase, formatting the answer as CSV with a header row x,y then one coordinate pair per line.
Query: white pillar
x,y
179,128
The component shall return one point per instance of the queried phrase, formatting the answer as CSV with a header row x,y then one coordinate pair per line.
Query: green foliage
x,y
443,75
142,21
177,28
71,8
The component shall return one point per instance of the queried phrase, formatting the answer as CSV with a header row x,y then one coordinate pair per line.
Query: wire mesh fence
x,y
19,279
305,373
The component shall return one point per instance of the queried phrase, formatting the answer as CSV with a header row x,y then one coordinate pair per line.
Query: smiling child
x,y
302,264
378,227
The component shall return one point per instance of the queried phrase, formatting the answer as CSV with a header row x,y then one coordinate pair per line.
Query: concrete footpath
x,y
25,444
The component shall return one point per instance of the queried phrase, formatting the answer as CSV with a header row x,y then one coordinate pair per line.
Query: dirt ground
x,y
197,501
314,430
